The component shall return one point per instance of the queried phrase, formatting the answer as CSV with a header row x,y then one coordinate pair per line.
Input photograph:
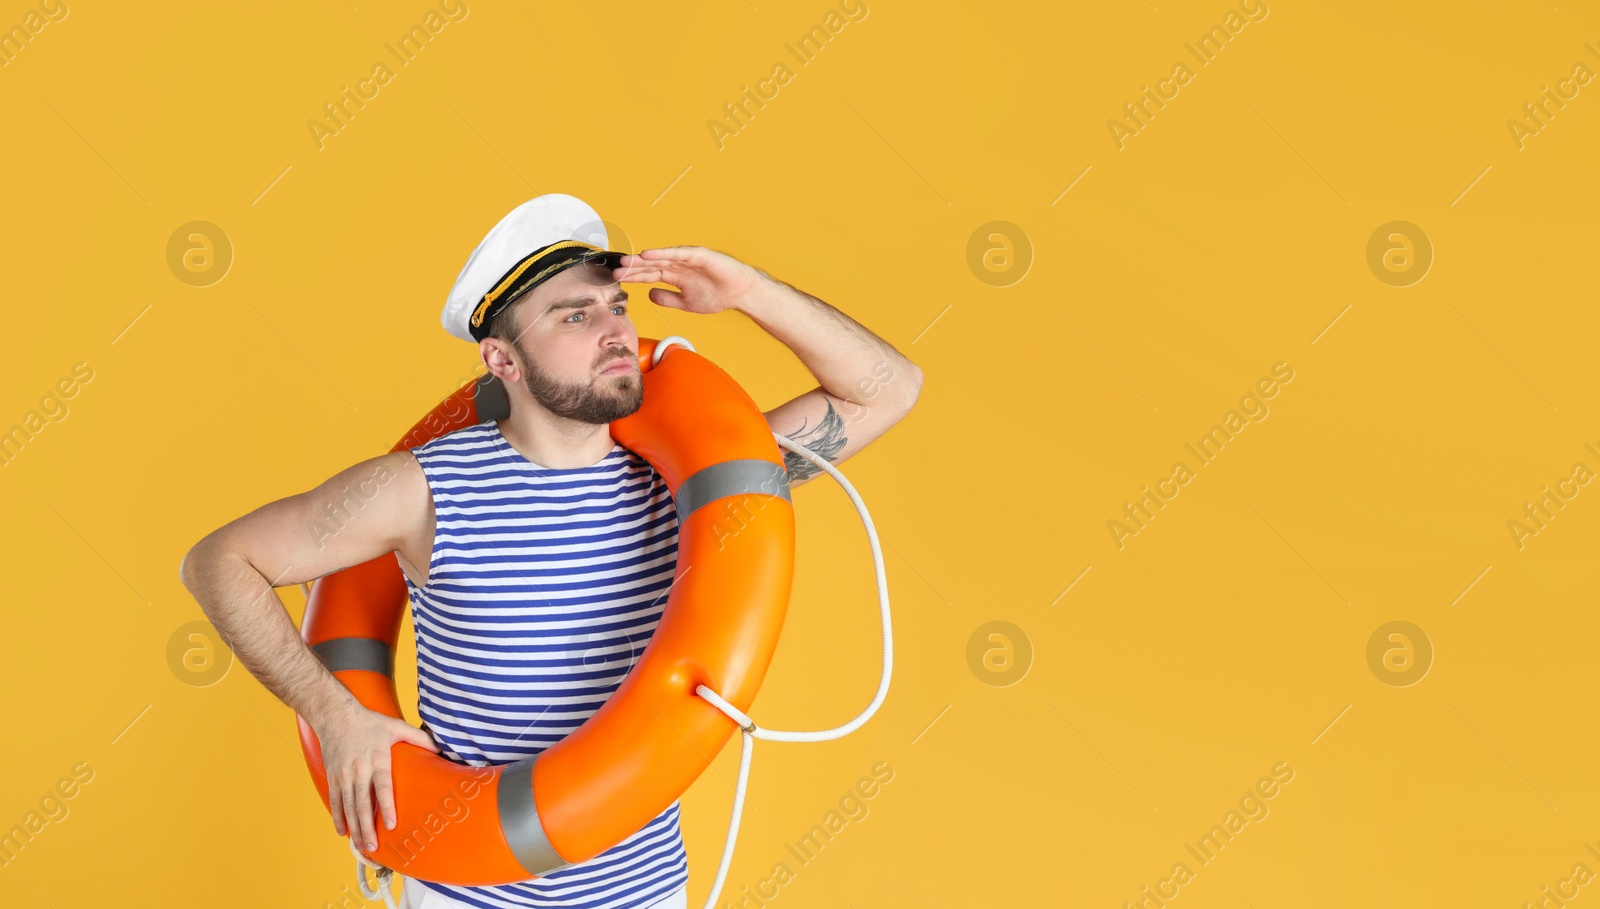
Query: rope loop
x,y
385,876
748,730
664,343
734,713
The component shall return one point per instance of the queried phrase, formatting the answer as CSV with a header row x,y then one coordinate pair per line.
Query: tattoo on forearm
x,y
825,440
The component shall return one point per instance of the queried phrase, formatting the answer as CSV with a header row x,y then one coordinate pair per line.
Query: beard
x,y
604,401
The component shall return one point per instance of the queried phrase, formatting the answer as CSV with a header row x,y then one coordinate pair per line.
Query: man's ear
x,y
499,360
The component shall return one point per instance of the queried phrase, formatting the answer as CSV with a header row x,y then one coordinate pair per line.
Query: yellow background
x,y
1229,635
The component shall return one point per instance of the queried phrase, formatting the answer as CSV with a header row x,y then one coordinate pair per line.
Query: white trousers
x,y
414,895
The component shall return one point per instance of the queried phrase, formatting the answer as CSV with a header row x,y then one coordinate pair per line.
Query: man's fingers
x,y
361,785
662,265
638,274
364,811
336,808
663,297
661,252
418,737
670,253
382,782
351,824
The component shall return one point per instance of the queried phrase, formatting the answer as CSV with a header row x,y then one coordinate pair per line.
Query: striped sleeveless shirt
x,y
544,586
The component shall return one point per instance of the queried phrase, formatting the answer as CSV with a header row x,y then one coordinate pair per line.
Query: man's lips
x,y
618,366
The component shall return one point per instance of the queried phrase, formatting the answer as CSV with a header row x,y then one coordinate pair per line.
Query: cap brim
x,y
610,258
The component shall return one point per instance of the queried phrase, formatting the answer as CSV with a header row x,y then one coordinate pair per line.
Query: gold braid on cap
x,y
542,263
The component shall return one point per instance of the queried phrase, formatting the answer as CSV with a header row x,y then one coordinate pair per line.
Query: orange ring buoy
x,y
484,826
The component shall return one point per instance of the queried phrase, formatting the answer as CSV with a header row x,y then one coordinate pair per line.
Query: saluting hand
x,y
708,281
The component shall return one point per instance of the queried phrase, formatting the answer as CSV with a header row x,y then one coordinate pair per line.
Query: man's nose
x,y
618,333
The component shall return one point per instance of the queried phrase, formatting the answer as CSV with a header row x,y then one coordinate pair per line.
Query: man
x,y
537,551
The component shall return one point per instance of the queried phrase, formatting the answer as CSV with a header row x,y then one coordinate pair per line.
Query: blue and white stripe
x,y
543,589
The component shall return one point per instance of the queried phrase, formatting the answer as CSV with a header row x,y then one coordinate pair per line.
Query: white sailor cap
x,y
540,238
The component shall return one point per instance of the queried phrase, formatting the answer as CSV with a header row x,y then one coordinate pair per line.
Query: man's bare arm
x,y
867,385
356,516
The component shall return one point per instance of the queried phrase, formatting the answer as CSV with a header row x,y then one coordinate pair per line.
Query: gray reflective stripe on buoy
x,y
519,820
356,653
741,475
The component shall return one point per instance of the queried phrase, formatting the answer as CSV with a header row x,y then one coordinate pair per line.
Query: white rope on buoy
x,y
385,876
665,343
749,731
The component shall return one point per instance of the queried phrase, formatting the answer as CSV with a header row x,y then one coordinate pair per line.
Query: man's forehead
x,y
578,286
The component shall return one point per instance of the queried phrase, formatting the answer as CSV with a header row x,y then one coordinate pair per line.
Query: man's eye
x,y
623,307
571,317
